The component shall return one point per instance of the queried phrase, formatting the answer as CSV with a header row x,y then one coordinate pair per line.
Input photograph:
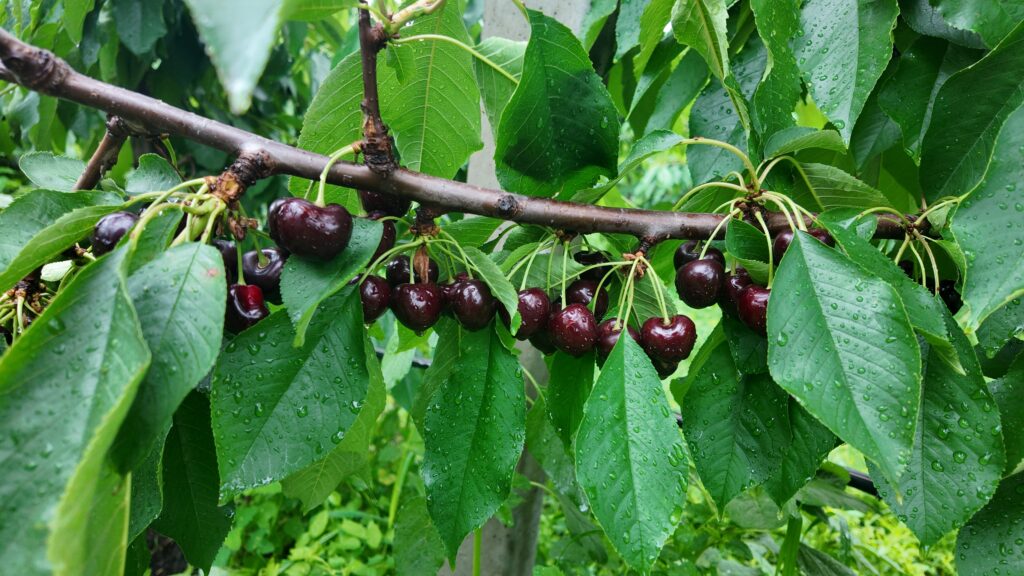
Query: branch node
x,y
34,68
508,207
243,173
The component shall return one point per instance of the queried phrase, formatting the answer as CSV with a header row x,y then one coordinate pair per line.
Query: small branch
x,y
104,156
377,145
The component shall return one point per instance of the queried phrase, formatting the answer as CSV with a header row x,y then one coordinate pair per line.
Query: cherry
x,y
949,295
387,237
448,290
417,306
590,259
669,341
308,230
374,293
583,292
397,271
573,329
734,285
109,231
664,369
753,308
544,342
785,238
472,304
268,276
823,236
387,204
690,251
534,310
245,307
228,253
608,335
699,283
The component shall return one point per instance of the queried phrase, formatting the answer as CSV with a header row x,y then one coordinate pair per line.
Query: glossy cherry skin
x,y
699,283
823,236
690,251
590,259
385,203
448,289
753,308
397,271
785,238
417,306
230,257
534,310
308,230
668,342
735,283
583,292
109,231
543,342
375,294
664,369
608,333
387,239
268,276
573,329
245,307
472,304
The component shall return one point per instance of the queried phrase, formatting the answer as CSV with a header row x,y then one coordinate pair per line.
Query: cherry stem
x,y
781,205
729,147
768,239
565,265
885,210
732,213
529,263
466,48
238,261
920,262
331,161
656,281
388,254
932,261
941,204
903,248
679,203
451,239
630,283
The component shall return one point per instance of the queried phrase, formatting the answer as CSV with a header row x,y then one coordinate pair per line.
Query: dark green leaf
x,y
1008,393
924,18
147,498
811,443
875,132
140,23
154,174
75,12
779,91
834,188
749,349
418,547
500,287
749,246
51,172
820,563
1001,326
991,543
544,445
796,138
991,19
568,388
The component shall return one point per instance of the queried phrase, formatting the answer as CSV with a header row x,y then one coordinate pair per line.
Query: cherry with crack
x,y
417,306
472,304
699,283
245,307
307,230
387,204
109,231
534,310
573,329
690,251
266,275
398,271
375,294
229,254
668,341
752,308
608,333
585,291
785,238
591,258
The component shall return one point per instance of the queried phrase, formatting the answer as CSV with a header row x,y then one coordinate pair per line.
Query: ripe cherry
x,y
245,307
228,253
387,237
534,310
387,204
669,341
608,333
267,276
690,251
753,308
823,236
734,284
472,304
448,289
583,292
590,259
664,369
544,342
398,271
699,283
785,238
573,329
417,306
109,231
308,230
375,295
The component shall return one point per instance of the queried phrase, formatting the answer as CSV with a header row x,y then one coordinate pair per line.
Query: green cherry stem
x,y
337,155
920,262
529,264
903,248
565,265
932,261
768,239
464,47
657,288
729,147
708,185
714,233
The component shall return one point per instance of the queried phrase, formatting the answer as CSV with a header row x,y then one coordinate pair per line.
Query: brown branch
x,y
104,156
40,70
377,145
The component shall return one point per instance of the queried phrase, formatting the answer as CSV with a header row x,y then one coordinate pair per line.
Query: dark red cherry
x,y
267,276
417,306
753,308
583,292
245,307
229,254
448,289
608,336
386,203
387,237
734,284
472,304
690,251
699,283
534,310
375,294
781,244
670,341
109,231
823,236
308,230
398,271
664,369
544,342
573,329
949,295
590,259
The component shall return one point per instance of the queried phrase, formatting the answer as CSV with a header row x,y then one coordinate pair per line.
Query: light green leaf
x,y
51,172
627,25
630,458
651,144
925,19
140,23
496,89
154,174
834,188
749,246
1001,326
991,542
75,12
700,24
105,530
991,19
652,28
798,138
840,341
313,10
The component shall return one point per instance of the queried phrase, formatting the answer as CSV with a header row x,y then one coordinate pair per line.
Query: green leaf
x,y
560,130
154,174
278,409
179,299
749,246
435,113
989,228
1001,326
958,453
749,349
543,444
843,47
630,458
147,499
700,24
925,19
908,96
474,230
191,515
315,483
651,144
874,134
968,113
305,284
495,279
810,445
496,89
313,10
334,120
569,386
418,548
991,19
238,35
737,426
75,12
991,542
140,23
812,561
627,25
658,107
155,238
1008,393
652,28
67,383
840,341
104,530
779,91
834,188
796,138
473,434
51,172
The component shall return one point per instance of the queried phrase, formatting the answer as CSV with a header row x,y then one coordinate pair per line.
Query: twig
x,y
104,156
377,146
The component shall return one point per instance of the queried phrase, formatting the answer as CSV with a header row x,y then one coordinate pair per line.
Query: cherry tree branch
x,y
377,145
105,154
259,157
